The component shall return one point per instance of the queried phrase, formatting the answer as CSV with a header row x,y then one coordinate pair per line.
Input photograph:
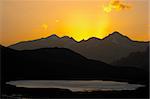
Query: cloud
x,y
44,26
116,5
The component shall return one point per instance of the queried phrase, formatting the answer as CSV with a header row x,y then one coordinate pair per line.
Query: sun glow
x,y
81,19
57,21
44,26
81,26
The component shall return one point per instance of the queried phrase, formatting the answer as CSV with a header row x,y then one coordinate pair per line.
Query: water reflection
x,y
77,85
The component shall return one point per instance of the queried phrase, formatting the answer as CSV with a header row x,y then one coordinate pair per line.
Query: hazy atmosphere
x,y
24,20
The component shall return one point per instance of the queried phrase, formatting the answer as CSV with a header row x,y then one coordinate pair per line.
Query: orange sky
x,y
23,20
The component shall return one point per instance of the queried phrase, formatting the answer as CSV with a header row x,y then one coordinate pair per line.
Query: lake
x,y
77,85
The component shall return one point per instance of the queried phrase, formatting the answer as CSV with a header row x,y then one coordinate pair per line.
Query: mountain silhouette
x,y
110,49
136,59
61,63
116,37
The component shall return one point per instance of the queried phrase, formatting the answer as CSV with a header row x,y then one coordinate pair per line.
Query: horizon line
x,y
76,40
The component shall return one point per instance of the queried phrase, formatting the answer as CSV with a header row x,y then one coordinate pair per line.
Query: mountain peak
x,y
66,37
117,37
117,34
53,36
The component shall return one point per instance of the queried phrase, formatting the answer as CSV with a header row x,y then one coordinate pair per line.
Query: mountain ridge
x,y
52,63
136,59
104,50
54,35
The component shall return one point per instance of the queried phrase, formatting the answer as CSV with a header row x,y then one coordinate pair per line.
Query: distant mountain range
x,y
61,63
135,59
110,49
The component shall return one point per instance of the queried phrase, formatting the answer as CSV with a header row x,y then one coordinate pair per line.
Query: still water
x,y
77,85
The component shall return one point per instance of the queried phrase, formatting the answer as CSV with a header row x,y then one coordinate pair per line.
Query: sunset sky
x,y
23,20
